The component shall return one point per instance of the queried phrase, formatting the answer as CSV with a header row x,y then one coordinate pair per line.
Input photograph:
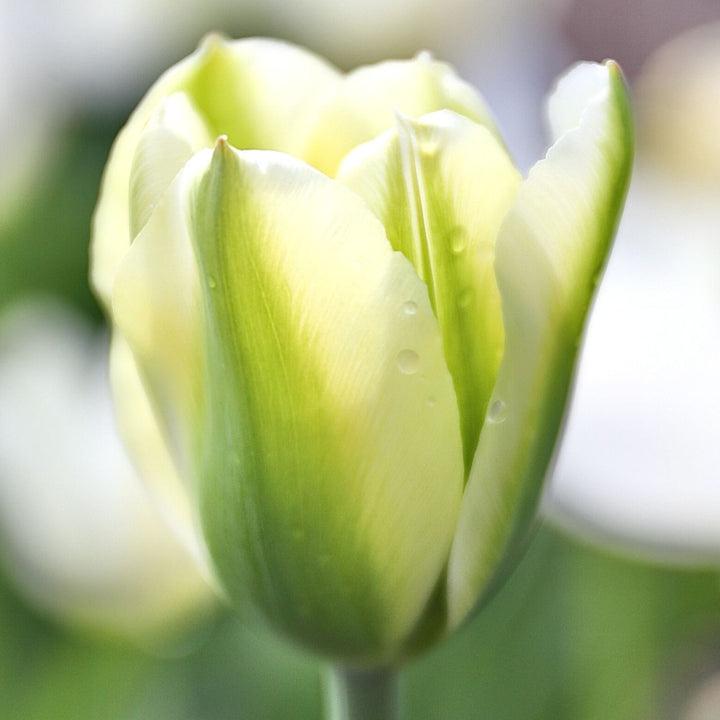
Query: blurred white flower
x,y
640,464
361,30
80,537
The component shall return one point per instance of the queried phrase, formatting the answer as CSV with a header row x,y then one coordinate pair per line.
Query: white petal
x,y
549,254
328,457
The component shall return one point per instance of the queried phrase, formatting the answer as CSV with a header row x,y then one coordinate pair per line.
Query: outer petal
x,y
549,254
364,105
441,186
157,308
174,133
149,451
329,455
261,93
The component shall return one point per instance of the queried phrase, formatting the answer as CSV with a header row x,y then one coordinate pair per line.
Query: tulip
x,y
355,326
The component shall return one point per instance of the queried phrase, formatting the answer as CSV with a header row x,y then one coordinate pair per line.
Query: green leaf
x,y
550,252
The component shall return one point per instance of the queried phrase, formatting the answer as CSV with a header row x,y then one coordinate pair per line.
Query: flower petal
x,y
441,186
157,308
174,133
330,465
550,252
364,105
142,436
261,93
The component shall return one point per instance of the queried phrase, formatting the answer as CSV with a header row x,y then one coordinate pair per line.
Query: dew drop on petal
x,y
428,146
408,362
212,283
457,239
497,412
465,298
409,308
431,401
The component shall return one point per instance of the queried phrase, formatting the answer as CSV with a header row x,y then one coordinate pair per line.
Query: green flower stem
x,y
353,694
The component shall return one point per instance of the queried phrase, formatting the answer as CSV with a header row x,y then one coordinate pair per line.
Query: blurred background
x,y
614,612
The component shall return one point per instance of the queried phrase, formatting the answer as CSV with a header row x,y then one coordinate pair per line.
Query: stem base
x,y
354,694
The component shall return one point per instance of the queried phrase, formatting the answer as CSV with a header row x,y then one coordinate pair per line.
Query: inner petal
x,y
442,185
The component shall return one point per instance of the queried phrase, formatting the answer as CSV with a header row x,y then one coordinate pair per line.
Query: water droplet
x,y
497,412
408,362
212,283
409,308
431,401
428,146
457,239
465,297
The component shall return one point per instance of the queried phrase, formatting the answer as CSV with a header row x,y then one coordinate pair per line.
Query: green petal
x,y
261,93
364,105
550,252
441,186
329,456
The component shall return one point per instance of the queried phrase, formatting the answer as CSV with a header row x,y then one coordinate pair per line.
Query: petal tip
x,y
222,149
213,41
425,57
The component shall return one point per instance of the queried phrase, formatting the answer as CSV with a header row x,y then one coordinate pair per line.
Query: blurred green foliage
x,y
575,634
44,247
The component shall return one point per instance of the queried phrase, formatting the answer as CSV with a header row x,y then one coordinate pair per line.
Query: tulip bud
x,y
354,324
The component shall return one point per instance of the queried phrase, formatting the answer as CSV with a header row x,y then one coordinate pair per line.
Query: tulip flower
x,y
355,326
